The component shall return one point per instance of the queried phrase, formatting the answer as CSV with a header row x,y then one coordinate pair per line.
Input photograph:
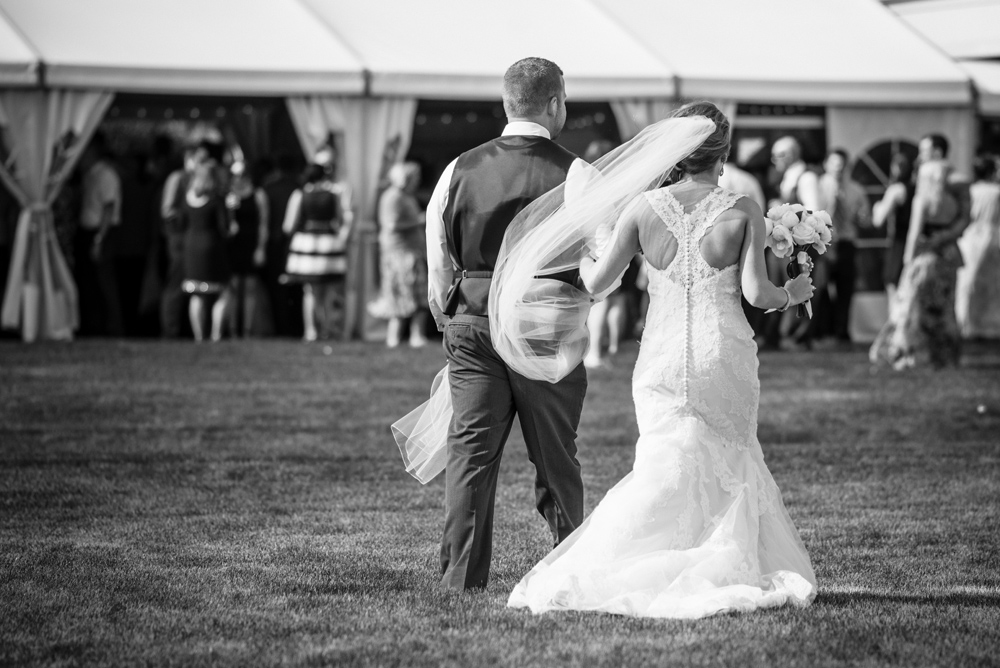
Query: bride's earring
x,y
722,170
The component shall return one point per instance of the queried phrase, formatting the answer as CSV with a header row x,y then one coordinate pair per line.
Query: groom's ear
x,y
552,109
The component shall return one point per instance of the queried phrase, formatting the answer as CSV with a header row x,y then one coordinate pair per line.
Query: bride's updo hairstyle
x,y
714,148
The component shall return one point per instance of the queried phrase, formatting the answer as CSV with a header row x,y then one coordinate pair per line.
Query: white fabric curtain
x,y
45,133
376,133
633,115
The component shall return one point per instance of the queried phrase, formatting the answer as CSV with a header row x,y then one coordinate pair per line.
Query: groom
x,y
477,197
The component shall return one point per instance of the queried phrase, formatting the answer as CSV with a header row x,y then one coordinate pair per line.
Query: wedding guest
x,y
248,209
131,241
319,220
100,303
847,203
205,221
799,184
893,211
922,328
977,304
741,181
175,188
612,312
403,246
278,186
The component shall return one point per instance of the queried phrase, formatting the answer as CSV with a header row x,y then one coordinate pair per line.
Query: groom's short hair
x,y
528,86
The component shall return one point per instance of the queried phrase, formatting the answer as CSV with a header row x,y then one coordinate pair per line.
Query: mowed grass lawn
x,y
243,504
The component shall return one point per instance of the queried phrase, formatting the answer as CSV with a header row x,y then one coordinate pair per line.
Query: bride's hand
x,y
800,288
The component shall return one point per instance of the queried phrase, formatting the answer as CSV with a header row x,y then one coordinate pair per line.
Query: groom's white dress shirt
x,y
440,264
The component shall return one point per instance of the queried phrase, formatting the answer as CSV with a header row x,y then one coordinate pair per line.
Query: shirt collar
x,y
525,128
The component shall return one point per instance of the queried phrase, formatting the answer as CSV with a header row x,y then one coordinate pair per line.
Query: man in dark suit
x,y
474,202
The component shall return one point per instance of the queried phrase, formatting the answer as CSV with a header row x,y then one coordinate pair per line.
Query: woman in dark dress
x,y
247,248
319,219
893,211
206,261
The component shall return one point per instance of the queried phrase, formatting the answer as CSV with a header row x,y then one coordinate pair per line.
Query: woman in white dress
x,y
698,527
977,300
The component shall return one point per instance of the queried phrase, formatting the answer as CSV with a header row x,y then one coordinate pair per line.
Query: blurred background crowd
x,y
285,196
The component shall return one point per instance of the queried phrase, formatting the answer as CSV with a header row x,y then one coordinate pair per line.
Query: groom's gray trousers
x,y
485,395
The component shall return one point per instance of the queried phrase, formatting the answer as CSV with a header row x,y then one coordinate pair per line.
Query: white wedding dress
x,y
698,527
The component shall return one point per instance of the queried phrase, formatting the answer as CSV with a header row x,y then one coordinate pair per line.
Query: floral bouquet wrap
x,y
791,231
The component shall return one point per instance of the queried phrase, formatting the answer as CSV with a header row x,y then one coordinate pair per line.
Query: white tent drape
x,y
635,114
376,133
47,130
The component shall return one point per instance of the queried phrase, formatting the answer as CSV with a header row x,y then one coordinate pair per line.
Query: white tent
x,y
264,47
986,75
459,49
792,51
962,28
967,30
18,62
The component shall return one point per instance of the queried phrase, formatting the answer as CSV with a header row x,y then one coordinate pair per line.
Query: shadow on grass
x,y
962,599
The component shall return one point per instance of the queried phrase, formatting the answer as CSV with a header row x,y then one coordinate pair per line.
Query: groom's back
x,y
490,185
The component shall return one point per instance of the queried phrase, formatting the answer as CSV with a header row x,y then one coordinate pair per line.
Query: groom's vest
x,y
491,184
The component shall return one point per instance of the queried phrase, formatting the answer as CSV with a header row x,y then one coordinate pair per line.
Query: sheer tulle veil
x,y
538,324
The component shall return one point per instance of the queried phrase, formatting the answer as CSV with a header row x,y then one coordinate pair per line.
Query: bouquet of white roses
x,y
791,231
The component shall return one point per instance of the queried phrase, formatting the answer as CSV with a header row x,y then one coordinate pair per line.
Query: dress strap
x,y
719,201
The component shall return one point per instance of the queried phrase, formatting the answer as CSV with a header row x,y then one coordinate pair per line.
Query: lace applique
x,y
697,341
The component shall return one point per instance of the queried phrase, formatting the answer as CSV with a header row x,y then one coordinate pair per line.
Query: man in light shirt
x,y
799,185
475,200
100,211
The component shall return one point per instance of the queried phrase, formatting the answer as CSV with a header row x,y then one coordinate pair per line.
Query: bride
x,y
698,527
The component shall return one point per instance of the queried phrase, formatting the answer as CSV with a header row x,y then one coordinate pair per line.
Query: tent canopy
x,y
239,47
963,28
774,51
18,62
986,74
460,49
793,51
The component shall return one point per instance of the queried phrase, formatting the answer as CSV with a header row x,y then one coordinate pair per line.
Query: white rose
x,y
805,234
781,242
768,227
824,217
790,220
776,212
825,233
796,208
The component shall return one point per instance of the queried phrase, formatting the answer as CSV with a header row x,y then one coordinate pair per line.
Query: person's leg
x,y
617,315
418,329
483,415
392,332
309,313
846,277
219,313
172,297
549,414
196,312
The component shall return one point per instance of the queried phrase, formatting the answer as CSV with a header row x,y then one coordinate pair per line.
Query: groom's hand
x,y
440,319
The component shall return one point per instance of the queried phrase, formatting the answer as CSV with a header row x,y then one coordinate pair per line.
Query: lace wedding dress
x,y
698,527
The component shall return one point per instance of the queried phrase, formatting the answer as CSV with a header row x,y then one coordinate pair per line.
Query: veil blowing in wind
x,y
538,322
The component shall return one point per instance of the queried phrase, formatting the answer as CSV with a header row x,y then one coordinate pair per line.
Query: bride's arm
x,y
757,289
601,274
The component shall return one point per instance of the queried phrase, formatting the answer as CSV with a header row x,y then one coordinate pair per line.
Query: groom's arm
x,y
440,268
